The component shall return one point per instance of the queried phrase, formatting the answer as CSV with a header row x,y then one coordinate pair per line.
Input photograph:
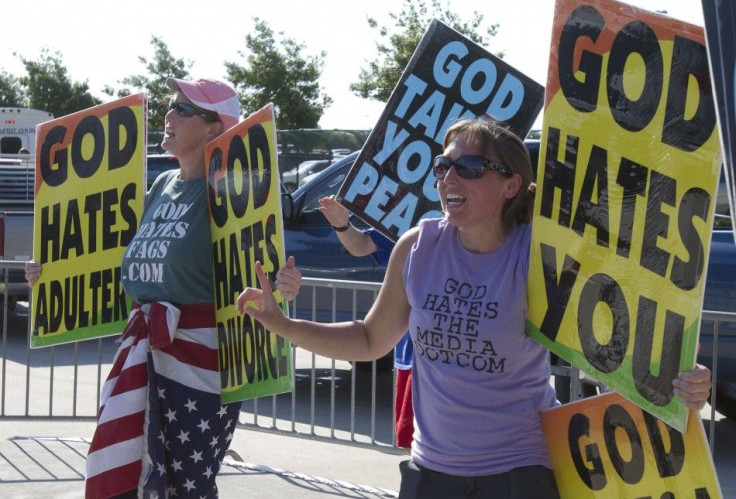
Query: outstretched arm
x,y
369,339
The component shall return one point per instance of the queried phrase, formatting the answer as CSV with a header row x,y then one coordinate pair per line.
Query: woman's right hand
x,y
33,272
334,212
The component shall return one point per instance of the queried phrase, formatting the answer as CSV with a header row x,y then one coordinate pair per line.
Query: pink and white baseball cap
x,y
212,95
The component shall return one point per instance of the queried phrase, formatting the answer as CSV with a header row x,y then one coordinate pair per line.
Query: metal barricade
x,y
332,399
62,381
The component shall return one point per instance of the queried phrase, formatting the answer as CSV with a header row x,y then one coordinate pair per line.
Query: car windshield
x,y
327,187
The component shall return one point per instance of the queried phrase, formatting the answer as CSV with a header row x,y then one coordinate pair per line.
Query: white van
x,y
18,128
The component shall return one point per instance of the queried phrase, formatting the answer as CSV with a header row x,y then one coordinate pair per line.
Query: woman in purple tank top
x,y
459,286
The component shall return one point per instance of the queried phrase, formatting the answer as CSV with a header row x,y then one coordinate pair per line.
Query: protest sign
x,y
89,195
449,77
244,200
624,204
720,23
605,446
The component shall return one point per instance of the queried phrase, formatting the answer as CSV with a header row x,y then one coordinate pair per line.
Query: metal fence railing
x,y
331,399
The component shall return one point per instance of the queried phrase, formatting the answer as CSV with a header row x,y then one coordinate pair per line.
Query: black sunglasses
x,y
468,167
187,111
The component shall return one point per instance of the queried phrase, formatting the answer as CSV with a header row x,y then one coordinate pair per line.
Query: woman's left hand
x,y
693,387
289,280
261,304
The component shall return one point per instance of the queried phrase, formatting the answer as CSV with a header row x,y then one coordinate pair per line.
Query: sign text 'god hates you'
x,y
624,206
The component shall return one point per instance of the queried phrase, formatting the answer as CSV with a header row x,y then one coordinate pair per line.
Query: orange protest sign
x,y
606,446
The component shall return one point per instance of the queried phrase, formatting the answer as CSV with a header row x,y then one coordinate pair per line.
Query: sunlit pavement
x,y
42,458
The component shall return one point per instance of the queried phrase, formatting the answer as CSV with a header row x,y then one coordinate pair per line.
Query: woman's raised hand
x,y
260,304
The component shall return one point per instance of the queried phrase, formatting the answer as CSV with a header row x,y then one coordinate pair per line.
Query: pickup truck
x,y
16,232
17,169
720,296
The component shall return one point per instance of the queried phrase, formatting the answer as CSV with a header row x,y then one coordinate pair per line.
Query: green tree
x,y
162,66
11,91
399,41
285,77
47,86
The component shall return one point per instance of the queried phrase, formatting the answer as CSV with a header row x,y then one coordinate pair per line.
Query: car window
x,y
326,187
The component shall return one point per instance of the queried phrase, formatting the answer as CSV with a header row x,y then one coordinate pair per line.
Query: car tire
x,y
384,364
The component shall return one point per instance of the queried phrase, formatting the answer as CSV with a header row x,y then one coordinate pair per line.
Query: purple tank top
x,y
479,383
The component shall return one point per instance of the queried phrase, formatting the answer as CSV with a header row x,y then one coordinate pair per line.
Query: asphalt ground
x,y
42,458
46,458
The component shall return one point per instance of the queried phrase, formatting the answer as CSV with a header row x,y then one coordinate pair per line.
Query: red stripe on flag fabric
x,y
197,316
131,378
118,430
119,363
111,483
193,354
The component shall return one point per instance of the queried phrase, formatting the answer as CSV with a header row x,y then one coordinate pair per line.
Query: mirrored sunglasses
x,y
468,167
187,111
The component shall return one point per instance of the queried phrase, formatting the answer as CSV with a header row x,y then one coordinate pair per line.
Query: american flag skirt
x,y
161,430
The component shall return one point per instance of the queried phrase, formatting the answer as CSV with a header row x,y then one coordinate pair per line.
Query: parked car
x,y
310,238
292,178
340,153
532,145
157,164
720,295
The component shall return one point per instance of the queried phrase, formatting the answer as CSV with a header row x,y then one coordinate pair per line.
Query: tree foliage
x,y
46,86
11,91
162,66
284,76
399,41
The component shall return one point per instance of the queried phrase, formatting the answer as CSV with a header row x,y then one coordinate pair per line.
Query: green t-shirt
x,y
170,257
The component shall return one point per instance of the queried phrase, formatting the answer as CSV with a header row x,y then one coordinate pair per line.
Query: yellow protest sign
x,y
605,446
89,196
244,199
629,165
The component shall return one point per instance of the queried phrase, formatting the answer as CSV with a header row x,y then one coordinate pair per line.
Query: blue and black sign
x,y
449,77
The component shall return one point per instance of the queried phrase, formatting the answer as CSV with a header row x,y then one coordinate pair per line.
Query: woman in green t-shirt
x,y
161,429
